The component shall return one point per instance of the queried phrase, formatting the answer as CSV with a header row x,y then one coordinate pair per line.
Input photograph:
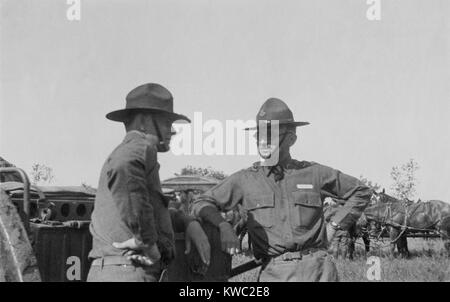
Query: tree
x,y
404,180
373,185
209,172
41,174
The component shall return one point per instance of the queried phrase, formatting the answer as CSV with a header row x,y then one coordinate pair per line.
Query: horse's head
x,y
375,198
380,197
387,211
362,222
376,211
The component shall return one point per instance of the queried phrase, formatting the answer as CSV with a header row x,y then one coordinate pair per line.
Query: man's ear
x,y
140,119
292,139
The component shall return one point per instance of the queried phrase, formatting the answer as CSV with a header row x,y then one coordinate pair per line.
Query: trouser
x,y
315,267
124,271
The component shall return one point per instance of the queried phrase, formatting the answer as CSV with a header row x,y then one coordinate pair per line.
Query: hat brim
x,y
123,114
296,124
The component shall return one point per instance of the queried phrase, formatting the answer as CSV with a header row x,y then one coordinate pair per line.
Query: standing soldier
x,y
284,204
132,227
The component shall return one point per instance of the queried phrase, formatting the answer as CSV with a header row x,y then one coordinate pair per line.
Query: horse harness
x,y
404,227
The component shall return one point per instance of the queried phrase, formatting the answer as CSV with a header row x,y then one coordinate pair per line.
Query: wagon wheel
x,y
17,260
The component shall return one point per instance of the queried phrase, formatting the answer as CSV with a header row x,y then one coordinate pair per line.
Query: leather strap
x,y
289,256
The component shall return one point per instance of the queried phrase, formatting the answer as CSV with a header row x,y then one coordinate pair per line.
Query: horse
x,y
400,218
376,228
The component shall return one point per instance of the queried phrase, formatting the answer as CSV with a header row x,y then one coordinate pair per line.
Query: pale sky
x,y
375,92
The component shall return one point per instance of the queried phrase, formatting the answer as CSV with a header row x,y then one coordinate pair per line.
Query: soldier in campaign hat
x,y
283,199
132,226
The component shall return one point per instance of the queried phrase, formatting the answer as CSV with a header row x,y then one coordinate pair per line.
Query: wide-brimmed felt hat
x,y
276,110
148,97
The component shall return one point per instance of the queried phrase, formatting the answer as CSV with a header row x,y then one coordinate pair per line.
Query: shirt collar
x,y
286,163
133,134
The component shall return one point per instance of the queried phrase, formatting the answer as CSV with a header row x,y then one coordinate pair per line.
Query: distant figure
x,y
340,244
343,244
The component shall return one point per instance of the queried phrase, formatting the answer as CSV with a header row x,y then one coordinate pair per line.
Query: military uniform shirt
x,y
130,203
287,215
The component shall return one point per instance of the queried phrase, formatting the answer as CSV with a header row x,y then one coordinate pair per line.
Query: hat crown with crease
x,y
151,96
148,97
276,110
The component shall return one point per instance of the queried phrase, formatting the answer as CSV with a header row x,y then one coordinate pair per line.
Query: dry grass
x,y
428,262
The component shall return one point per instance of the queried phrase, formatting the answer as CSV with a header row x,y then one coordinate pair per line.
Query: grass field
x,y
428,262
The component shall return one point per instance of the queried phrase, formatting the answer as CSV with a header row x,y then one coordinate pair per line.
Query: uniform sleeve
x,y
221,198
180,220
352,192
127,183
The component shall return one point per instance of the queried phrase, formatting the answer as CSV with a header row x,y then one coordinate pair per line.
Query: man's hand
x,y
195,234
230,242
139,252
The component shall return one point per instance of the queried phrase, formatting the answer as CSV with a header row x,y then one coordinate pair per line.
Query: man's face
x,y
268,144
165,127
163,123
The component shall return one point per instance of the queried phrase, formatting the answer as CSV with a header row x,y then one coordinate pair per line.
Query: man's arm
x,y
223,197
126,181
180,220
183,223
352,192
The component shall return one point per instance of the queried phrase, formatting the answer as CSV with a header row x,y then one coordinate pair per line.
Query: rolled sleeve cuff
x,y
200,203
211,215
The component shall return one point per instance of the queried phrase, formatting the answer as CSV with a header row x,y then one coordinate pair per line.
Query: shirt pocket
x,y
261,210
307,207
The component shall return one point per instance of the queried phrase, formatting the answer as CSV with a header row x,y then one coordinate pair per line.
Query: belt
x,y
111,260
289,256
